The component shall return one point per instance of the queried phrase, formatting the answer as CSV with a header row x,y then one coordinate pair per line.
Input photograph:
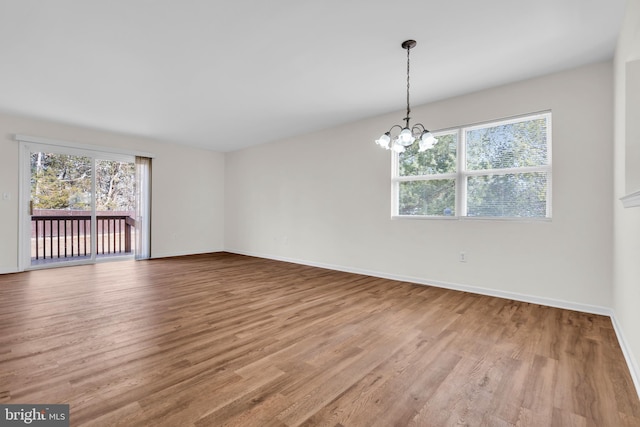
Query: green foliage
x,y
437,160
115,186
509,195
512,145
429,197
432,197
61,181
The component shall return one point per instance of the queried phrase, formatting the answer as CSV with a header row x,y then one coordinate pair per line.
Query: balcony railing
x,y
70,236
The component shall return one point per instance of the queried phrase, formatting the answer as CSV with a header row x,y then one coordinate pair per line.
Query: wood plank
x,y
223,339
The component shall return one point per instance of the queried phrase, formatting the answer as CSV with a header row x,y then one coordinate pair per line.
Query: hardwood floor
x,y
223,339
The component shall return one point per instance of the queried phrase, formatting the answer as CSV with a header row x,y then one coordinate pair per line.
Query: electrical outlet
x,y
462,257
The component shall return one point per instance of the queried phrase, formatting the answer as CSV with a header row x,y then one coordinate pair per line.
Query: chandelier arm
x,y
395,126
420,127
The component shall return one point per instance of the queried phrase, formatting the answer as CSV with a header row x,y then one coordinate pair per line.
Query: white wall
x,y
188,188
626,284
324,199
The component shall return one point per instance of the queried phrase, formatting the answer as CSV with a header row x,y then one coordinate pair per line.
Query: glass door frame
x,y
24,223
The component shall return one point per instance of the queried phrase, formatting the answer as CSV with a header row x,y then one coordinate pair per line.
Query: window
x,y
498,169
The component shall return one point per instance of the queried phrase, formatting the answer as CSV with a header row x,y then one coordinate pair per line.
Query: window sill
x,y
423,217
470,218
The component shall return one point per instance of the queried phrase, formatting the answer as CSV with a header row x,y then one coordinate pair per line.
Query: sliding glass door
x,y
81,206
60,205
115,207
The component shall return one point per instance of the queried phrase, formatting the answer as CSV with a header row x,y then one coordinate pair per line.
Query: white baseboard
x,y
8,270
550,302
155,255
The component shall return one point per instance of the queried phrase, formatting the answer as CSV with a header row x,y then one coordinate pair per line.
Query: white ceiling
x,y
230,74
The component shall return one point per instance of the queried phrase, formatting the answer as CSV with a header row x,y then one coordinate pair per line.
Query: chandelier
x,y
408,134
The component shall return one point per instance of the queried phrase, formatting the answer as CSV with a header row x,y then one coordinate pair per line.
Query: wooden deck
x,y
222,339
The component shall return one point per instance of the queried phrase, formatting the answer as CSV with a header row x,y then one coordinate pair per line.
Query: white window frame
x,y
461,174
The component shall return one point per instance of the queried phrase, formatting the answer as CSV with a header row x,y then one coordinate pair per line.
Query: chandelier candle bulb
x,y
408,134
384,141
406,137
427,141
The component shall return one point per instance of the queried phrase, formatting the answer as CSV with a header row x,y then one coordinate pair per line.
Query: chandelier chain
x,y
408,86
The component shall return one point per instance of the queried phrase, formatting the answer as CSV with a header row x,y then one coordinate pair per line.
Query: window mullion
x,y
425,177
